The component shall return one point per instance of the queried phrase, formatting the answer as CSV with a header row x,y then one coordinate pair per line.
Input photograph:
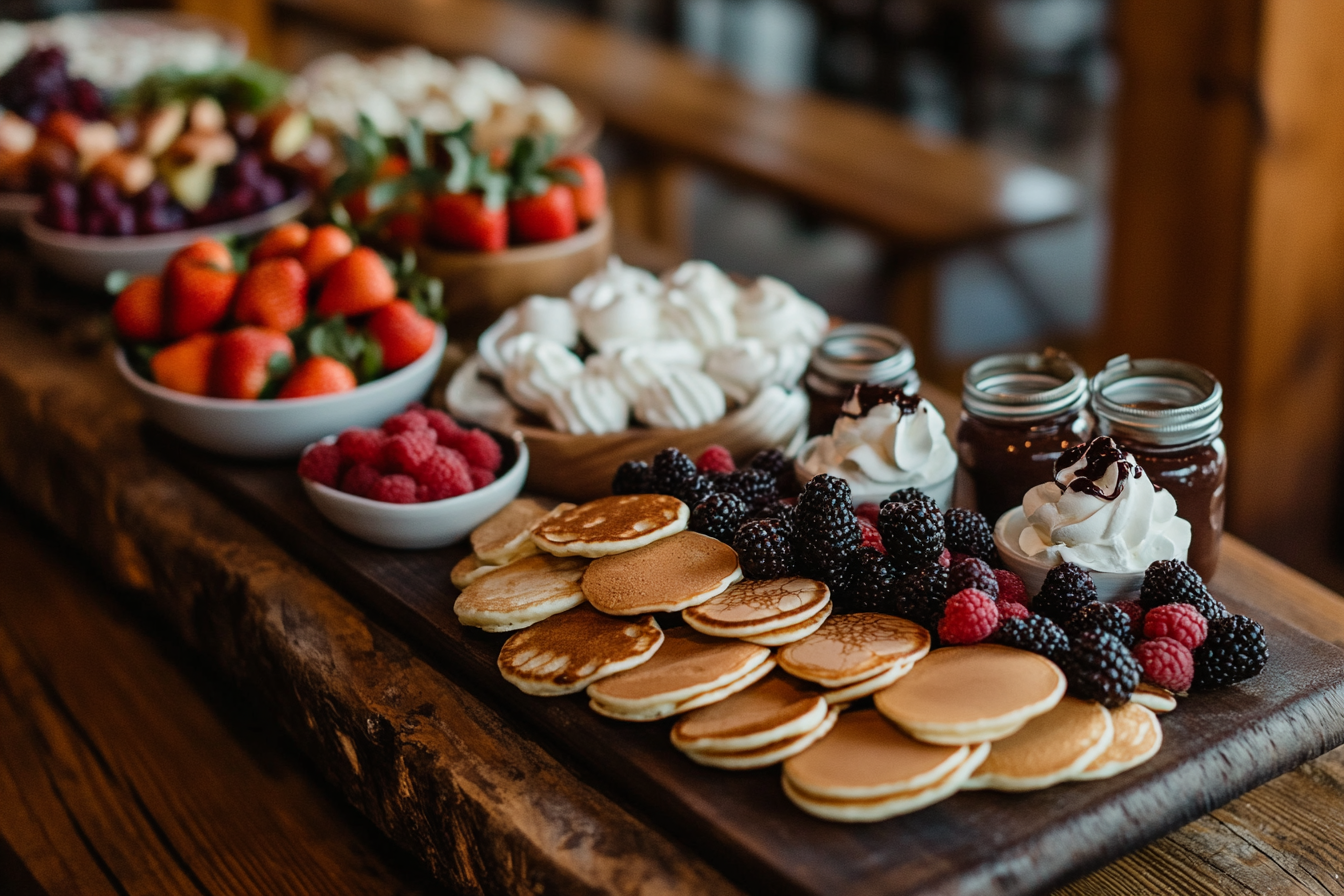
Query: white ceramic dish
x,y
433,524
87,260
1111,586
282,428
14,207
868,493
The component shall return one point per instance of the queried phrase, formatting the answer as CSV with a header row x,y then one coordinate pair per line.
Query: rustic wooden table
x,y
117,775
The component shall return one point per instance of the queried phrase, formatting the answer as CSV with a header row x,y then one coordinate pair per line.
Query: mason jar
x,y
856,355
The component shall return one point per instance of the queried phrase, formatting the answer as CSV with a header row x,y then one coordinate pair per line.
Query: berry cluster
x,y
415,456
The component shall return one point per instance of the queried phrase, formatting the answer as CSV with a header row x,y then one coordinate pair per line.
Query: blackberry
x,y
1099,617
775,510
872,587
694,490
718,516
755,487
1234,650
765,550
771,460
972,572
671,471
1101,668
632,478
920,595
912,533
906,495
968,532
1035,634
1066,589
1175,582
825,531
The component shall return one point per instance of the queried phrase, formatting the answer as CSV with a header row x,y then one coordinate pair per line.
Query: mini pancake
x,y
865,757
757,606
781,636
965,695
1138,737
469,569
775,708
868,686
611,525
1048,749
671,574
571,650
501,538
1155,698
522,593
687,665
768,754
851,648
884,807
654,712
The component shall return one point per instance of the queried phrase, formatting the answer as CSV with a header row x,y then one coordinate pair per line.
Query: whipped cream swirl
x,y
772,311
681,399
618,304
744,367
1102,512
899,443
536,368
698,304
588,405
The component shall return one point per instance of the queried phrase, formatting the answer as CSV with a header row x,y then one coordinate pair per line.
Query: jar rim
x,y
1159,401
865,353
1024,386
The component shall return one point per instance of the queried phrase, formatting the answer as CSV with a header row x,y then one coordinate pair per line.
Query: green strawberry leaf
x,y
567,176
138,355
460,174
370,361
277,368
415,144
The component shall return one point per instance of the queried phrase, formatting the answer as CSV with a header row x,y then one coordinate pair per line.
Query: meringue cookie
x,y
618,304
552,319
588,405
683,399
632,367
536,368
773,312
698,304
745,366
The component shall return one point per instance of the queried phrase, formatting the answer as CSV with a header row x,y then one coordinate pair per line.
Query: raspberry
x,y
872,587
867,512
1181,622
968,617
945,559
1035,634
363,446
1011,587
407,420
1234,650
359,479
718,516
825,531
771,460
913,533
1012,610
1101,668
1176,582
715,459
394,489
632,478
445,427
973,573
968,532
444,474
1135,614
1066,588
870,537
764,549
481,450
322,464
1167,663
755,487
481,477
1099,617
408,450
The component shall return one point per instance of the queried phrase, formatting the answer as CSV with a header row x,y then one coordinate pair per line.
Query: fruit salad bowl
x,y
87,260
281,427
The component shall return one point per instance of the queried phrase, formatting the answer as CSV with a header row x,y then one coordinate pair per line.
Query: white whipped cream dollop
x,y
681,399
895,445
698,304
744,367
1102,512
618,304
632,367
549,318
536,368
588,405
772,311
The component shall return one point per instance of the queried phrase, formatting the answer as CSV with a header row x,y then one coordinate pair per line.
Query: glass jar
x,y
855,355
1019,413
1169,415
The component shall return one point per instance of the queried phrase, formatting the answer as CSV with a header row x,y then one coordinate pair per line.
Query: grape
x,y
62,195
247,171
161,219
97,222
122,221
271,191
64,219
241,200
156,195
85,99
100,193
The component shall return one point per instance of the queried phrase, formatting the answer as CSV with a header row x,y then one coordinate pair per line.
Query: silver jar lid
x,y
1157,401
1026,386
866,353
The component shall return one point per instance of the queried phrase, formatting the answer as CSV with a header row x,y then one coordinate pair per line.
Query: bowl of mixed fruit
x,y
259,353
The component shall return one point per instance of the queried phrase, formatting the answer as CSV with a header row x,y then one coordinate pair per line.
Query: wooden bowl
x,y
580,468
478,286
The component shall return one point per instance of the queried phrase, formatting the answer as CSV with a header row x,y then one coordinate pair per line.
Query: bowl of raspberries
x,y
420,480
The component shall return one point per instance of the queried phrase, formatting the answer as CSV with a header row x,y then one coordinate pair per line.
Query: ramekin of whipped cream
x,y
884,440
1102,512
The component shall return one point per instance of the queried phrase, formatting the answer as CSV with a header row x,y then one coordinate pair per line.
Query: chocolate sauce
x,y
852,355
869,397
1098,455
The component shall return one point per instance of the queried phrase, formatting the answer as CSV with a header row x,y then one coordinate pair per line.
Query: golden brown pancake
x,y
611,525
796,632
571,650
1138,737
771,710
524,592
769,754
1155,698
671,574
507,535
848,649
655,711
869,686
1050,748
757,606
688,664
469,569
884,807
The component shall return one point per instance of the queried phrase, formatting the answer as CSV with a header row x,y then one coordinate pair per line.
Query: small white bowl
x,y
1111,586
433,524
868,492
14,207
87,260
282,427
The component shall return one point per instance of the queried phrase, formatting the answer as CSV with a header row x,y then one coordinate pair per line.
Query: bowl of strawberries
x,y
420,480
259,353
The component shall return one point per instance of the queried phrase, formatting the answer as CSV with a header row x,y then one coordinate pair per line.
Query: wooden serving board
x,y
1217,745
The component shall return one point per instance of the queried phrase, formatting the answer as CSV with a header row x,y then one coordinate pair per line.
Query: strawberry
x,y
286,239
403,333
274,294
590,197
462,221
185,365
545,218
319,375
326,245
138,311
357,284
357,203
199,282
247,359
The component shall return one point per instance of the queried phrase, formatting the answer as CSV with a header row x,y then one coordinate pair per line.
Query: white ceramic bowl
x,y
433,524
14,207
1110,585
281,428
867,492
87,260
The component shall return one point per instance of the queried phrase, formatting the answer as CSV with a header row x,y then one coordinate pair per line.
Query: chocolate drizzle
x,y
868,397
1097,455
